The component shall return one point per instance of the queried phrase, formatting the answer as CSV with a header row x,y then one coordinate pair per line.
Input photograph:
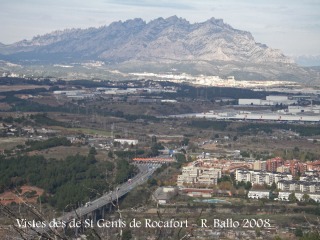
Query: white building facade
x,y
260,177
254,194
199,175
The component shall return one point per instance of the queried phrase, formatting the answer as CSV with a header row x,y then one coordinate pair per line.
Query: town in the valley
x,y
209,161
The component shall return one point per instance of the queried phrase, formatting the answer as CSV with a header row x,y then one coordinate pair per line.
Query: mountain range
x,y
210,47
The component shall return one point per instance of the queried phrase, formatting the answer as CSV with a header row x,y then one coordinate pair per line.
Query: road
x,y
145,171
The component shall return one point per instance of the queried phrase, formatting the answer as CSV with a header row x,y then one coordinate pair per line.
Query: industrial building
x,y
292,114
301,109
75,94
276,117
270,101
254,116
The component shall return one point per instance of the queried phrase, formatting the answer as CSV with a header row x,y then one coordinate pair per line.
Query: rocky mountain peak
x,y
160,41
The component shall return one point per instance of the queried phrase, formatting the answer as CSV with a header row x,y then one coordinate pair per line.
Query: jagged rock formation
x,y
210,47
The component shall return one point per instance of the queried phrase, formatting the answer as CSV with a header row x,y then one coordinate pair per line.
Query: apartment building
x,y
273,164
261,177
284,196
195,175
299,186
260,165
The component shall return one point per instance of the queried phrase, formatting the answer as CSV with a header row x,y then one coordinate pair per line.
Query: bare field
x,y
88,131
210,147
4,106
61,152
48,100
11,142
7,88
10,197
261,144
157,109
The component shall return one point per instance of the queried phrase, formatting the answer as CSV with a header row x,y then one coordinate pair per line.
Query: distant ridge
x,y
210,47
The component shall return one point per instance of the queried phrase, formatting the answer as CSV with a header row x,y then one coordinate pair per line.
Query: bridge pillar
x,y
103,212
94,216
83,218
76,231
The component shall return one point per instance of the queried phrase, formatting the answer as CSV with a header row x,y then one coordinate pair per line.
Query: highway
x,y
145,171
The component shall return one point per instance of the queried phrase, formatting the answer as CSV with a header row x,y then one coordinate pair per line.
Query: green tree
x,y
185,141
273,186
126,234
292,197
110,154
311,236
155,149
277,238
248,185
153,139
258,232
92,151
298,232
306,197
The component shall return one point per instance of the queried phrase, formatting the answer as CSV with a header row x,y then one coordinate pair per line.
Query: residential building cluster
x,y
300,196
294,167
223,164
195,174
305,184
313,166
284,195
205,80
283,173
275,165
260,177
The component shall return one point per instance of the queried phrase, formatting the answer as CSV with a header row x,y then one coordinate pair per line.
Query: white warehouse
x,y
270,101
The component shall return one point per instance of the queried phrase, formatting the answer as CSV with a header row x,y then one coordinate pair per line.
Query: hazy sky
x,y
290,25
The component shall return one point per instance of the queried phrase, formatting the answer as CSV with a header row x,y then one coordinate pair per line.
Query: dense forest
x,y
75,180
49,143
